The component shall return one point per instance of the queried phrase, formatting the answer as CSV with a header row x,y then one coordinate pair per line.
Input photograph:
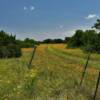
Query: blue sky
x,y
42,19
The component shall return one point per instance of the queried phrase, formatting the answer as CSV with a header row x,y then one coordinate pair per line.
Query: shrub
x,y
10,51
8,46
15,51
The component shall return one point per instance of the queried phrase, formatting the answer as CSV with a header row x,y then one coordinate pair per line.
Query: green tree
x,y
91,41
97,24
8,46
76,40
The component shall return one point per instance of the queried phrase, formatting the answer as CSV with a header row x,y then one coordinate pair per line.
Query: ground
x,y
55,75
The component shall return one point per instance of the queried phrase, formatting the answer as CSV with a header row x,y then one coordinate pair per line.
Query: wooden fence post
x,y
97,85
33,53
84,71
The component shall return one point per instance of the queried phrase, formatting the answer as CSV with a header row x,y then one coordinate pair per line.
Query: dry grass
x,y
55,75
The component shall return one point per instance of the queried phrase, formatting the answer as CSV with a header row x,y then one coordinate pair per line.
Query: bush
x,y
14,50
10,51
8,46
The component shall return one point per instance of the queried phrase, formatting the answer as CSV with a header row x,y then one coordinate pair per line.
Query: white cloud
x,y
25,8
32,8
61,26
91,16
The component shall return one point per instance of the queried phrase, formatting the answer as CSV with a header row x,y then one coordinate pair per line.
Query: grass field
x,y
55,75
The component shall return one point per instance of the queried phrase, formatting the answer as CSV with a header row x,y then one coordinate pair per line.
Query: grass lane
x,y
76,57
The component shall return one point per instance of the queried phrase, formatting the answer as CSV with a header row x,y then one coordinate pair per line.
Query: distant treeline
x,y
53,41
88,40
26,43
11,47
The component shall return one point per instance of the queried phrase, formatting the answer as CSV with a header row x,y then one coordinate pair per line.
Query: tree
x,y
91,41
76,40
58,41
67,39
8,46
47,41
87,40
97,24
26,43
53,41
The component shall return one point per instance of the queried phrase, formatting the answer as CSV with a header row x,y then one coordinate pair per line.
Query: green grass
x,y
78,58
55,75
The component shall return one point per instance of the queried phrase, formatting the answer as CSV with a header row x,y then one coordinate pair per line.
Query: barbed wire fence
x,y
32,57
83,76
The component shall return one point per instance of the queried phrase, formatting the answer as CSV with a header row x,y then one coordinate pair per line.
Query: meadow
x,y
55,75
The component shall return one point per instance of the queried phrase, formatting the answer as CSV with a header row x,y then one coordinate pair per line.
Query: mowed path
x,y
66,66
58,56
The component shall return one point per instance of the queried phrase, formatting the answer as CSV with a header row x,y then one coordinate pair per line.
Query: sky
x,y
41,19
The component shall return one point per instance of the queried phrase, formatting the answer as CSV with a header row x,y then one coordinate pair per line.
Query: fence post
x,y
33,53
97,85
84,70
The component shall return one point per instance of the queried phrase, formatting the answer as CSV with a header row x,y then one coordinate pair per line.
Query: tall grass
x,y
55,76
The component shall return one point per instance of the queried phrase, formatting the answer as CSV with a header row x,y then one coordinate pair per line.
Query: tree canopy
x,y
8,46
97,24
11,47
88,40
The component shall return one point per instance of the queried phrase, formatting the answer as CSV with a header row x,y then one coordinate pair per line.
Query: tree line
x,y
26,43
88,40
53,41
11,47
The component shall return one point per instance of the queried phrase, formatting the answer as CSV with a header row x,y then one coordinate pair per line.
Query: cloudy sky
x,y
42,19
